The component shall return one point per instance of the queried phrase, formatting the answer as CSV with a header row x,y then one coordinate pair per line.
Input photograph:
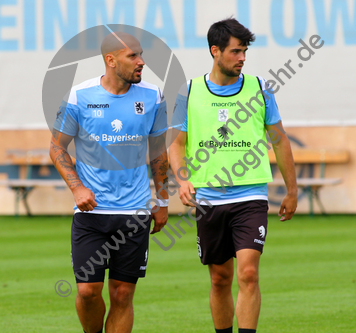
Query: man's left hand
x,y
288,207
160,217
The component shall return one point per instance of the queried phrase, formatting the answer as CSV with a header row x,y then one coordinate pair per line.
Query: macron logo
x,y
98,106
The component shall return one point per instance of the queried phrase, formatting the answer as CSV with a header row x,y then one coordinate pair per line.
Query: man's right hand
x,y
185,193
84,198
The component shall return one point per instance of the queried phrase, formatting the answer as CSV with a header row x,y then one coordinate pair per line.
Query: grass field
x,y
308,279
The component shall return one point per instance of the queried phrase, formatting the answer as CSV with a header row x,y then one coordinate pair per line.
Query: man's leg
x,y
90,306
249,297
120,317
221,301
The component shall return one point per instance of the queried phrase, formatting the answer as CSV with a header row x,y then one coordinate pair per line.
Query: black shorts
x,y
225,229
117,242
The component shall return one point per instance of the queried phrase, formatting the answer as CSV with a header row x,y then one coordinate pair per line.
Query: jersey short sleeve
x,y
67,116
180,119
272,113
160,123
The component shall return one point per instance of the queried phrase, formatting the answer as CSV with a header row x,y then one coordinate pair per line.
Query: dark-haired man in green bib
x,y
222,151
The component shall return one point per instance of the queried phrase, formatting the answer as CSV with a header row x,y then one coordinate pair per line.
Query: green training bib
x,y
226,138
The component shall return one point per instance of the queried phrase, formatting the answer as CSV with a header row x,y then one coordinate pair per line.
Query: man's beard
x,y
227,71
135,80
129,78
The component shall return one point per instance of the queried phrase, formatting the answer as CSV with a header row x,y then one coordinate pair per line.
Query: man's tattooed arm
x,y
62,161
159,162
83,196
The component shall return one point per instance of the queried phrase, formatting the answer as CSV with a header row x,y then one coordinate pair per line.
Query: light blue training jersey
x,y
234,193
110,135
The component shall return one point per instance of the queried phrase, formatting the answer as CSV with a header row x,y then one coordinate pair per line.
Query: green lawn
x,y
308,279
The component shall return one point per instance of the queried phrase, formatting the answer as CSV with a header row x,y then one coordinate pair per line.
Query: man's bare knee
x,y
220,276
248,276
121,294
89,291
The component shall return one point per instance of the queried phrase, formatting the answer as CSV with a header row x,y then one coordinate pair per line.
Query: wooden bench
x,y
315,157
23,187
25,160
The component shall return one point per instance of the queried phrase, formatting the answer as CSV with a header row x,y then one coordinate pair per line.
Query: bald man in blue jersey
x,y
111,118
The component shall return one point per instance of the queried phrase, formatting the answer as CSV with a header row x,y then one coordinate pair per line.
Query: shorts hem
x,y
251,248
114,275
98,276
141,274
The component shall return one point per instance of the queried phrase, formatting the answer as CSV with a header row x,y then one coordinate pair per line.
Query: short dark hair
x,y
220,32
